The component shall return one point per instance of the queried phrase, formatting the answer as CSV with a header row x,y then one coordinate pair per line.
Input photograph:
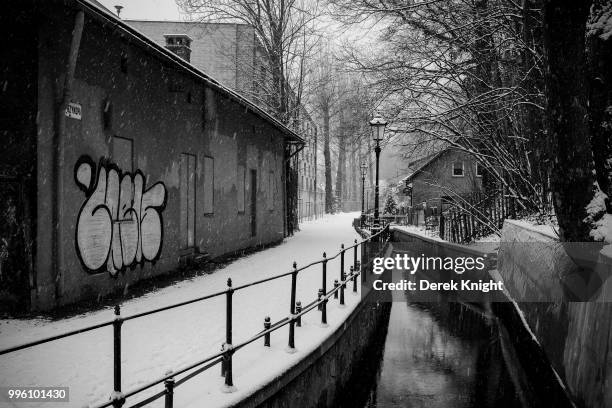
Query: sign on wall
x,y
73,110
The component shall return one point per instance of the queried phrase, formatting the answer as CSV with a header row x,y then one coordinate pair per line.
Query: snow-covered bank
x,y
154,344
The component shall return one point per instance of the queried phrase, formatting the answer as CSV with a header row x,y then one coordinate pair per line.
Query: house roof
x,y
93,9
421,164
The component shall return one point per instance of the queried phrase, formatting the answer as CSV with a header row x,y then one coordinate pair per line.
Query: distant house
x,y
441,176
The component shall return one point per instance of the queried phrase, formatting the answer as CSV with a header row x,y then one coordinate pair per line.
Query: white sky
x,y
145,9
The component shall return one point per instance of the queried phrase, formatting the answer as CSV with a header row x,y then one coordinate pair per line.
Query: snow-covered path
x,y
155,344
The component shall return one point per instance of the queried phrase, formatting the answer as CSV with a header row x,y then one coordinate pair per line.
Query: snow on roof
x,y
94,9
419,165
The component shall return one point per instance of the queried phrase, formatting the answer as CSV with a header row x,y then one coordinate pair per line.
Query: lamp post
x,y
378,124
364,170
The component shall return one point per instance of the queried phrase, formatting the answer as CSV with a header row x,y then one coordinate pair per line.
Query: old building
x,y
233,54
441,177
230,53
311,198
122,160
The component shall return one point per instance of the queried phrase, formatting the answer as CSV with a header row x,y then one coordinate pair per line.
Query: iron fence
x,y
224,357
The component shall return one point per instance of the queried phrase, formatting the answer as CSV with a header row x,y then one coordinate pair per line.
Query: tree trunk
x,y
340,171
568,130
329,197
599,57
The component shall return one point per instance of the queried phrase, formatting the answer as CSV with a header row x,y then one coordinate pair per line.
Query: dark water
x,y
448,354
439,355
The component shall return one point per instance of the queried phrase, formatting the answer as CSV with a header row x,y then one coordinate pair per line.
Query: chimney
x,y
180,44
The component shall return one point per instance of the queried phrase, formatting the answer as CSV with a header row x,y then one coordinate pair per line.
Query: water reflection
x,y
435,355
427,363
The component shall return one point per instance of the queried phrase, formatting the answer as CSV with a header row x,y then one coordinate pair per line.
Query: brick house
x,y
122,160
440,176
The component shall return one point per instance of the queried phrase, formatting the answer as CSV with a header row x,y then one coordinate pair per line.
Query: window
x,y
479,170
123,153
187,199
271,191
209,180
240,185
458,169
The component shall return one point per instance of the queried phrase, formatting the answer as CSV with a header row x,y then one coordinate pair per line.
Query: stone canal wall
x,y
559,345
575,336
528,363
321,379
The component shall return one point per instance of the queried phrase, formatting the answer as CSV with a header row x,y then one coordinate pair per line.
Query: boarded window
x,y
123,153
187,199
240,186
458,169
271,190
209,184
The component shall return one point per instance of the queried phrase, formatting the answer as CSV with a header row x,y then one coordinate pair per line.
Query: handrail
x,y
225,355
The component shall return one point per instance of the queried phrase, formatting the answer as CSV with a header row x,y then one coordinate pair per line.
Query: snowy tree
x,y
390,205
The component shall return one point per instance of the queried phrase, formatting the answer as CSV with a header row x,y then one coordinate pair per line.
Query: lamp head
x,y
378,124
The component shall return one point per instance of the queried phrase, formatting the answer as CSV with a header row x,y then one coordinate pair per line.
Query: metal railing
x,y
296,311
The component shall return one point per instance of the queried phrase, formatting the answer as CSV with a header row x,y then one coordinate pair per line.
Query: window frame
x,y
462,168
478,166
244,182
212,183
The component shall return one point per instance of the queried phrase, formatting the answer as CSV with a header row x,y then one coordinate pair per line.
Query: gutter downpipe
x,y
58,162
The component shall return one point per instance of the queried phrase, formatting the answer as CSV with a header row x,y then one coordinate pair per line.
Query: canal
x,y
443,354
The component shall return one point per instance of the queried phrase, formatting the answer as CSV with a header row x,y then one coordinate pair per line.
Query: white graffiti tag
x,y
120,223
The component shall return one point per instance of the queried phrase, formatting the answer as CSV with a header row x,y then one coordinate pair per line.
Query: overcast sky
x,y
145,9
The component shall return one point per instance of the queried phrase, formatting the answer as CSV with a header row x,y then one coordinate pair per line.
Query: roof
x,y
420,164
93,9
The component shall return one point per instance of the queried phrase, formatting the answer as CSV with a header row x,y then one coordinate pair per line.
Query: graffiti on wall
x,y
120,223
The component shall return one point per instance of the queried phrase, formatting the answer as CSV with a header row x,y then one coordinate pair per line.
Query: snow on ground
x,y
546,229
155,344
421,231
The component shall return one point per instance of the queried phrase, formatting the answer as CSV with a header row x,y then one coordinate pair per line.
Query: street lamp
x,y
364,171
378,124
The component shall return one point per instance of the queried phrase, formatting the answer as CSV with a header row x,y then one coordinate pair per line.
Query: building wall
x,y
436,179
311,200
224,51
18,111
173,123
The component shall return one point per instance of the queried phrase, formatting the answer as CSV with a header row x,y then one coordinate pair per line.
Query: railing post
x,y
363,275
323,307
355,255
227,357
267,326
342,276
336,284
117,323
298,310
169,401
354,275
291,345
324,289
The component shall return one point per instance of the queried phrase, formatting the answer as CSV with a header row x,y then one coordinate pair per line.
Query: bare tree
x,y
286,31
463,73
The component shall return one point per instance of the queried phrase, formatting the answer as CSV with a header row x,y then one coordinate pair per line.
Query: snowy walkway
x,y
157,343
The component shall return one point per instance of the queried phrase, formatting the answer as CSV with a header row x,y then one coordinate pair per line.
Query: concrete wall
x,y
165,114
436,179
575,336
